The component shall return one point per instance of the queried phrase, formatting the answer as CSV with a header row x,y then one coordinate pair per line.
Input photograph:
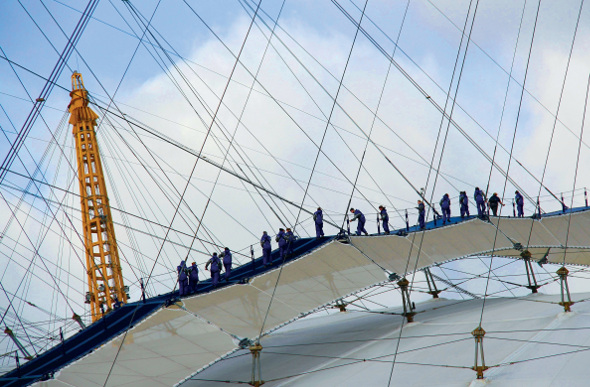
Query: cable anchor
x,y
408,306
432,289
78,319
256,366
566,300
478,334
530,274
341,305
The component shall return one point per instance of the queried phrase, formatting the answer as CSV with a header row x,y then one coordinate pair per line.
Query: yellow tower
x,y
105,279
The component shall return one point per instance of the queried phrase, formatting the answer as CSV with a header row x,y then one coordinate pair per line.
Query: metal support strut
x,y
478,334
566,300
407,222
256,366
10,334
530,274
432,289
408,307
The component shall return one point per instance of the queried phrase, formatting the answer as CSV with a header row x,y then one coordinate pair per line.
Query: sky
x,y
277,110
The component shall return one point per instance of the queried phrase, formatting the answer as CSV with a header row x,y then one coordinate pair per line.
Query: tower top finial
x,y
77,81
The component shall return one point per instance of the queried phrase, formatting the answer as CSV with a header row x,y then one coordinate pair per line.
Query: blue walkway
x,y
116,322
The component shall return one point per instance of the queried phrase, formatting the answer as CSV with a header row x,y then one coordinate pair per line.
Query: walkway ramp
x,y
176,341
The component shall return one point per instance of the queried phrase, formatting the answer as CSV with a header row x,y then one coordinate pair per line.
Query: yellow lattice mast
x,y
105,280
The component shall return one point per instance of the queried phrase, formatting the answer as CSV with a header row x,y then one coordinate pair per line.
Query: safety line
x,y
204,142
510,159
48,87
315,162
505,98
561,95
440,109
569,220
337,130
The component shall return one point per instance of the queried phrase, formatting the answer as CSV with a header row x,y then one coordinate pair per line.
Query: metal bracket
x,y
256,376
566,300
478,334
408,307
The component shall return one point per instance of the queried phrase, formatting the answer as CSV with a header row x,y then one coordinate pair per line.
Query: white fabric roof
x,y
174,343
160,351
529,342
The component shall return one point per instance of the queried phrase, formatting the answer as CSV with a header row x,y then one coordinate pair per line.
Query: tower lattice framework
x,y
105,279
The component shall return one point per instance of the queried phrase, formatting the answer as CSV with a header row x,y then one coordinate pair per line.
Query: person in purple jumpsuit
x,y
226,263
281,238
421,212
360,227
265,244
445,206
182,279
290,238
463,204
480,201
215,269
318,219
193,277
384,218
519,199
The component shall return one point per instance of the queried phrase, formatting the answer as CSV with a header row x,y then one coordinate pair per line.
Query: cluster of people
x,y
284,238
188,277
492,203
483,204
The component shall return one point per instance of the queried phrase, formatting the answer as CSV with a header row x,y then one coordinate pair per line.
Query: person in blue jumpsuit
x,y
182,279
215,264
281,239
265,244
360,227
384,218
318,219
463,204
290,239
519,199
193,277
226,255
480,201
445,206
421,213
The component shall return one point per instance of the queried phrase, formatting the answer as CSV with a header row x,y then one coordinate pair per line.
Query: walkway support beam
x,y
256,366
480,366
566,299
408,307
530,274
432,289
